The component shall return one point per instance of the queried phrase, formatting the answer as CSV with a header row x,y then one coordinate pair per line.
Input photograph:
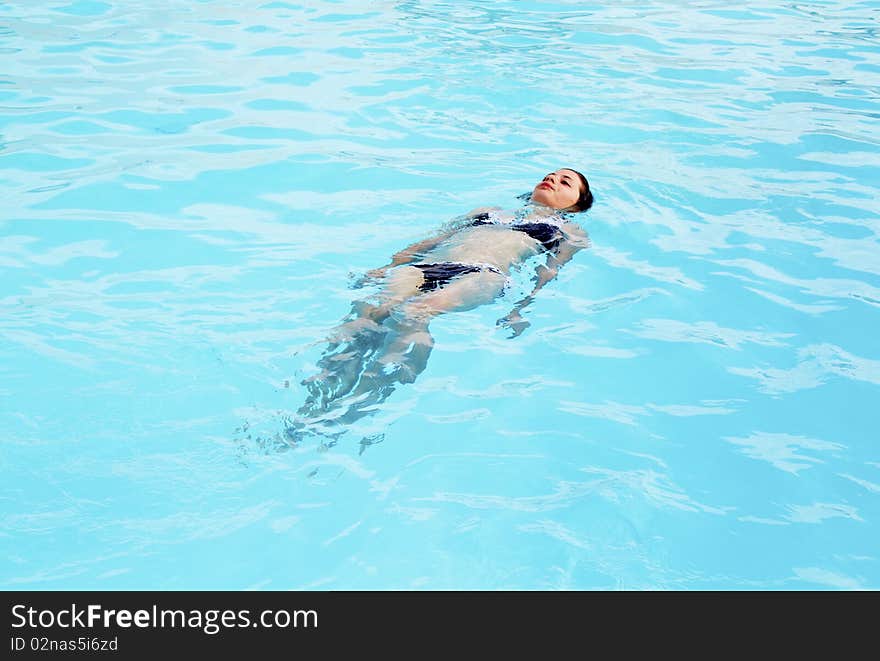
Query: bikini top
x,y
548,235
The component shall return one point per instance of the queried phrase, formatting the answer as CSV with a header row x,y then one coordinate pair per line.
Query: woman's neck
x,y
534,211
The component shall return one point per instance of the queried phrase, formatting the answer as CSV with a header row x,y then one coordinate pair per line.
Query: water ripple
x,y
190,190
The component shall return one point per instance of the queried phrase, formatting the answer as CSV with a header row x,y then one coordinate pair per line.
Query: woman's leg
x,y
400,284
387,344
408,343
355,342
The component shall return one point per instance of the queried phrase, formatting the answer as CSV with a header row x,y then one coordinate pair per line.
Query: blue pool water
x,y
189,189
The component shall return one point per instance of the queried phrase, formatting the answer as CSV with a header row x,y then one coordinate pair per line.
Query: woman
x,y
386,341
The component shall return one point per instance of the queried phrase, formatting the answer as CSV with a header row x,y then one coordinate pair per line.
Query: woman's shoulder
x,y
483,211
474,216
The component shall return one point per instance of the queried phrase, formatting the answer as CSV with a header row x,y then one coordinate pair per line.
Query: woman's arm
x,y
576,239
415,251
410,254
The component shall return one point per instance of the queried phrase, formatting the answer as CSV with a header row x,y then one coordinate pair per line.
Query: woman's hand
x,y
368,277
514,322
375,274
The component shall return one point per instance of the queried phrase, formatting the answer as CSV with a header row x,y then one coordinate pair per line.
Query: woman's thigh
x,y
401,283
464,292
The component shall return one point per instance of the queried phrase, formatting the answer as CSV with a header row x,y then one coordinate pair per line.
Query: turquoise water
x,y
189,189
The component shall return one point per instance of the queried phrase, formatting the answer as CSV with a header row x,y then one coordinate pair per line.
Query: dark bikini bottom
x,y
437,275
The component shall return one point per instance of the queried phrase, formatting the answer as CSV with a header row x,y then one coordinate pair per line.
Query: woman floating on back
x,y
386,341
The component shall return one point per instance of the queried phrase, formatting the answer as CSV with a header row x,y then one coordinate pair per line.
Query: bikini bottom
x,y
437,275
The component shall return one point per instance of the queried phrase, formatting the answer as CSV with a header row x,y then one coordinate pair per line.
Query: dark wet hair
x,y
585,201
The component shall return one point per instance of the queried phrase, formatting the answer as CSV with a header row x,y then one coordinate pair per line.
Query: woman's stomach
x,y
495,245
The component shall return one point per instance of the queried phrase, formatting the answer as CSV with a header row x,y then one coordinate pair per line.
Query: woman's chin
x,y
538,201
538,198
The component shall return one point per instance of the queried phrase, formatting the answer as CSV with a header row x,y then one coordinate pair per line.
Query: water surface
x,y
189,190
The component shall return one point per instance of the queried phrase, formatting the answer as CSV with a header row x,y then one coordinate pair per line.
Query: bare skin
x,y
387,342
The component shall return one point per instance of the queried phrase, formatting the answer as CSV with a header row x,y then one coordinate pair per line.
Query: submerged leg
x,y
408,344
384,345
352,345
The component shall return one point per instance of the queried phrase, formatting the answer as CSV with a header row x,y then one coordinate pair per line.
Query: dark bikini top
x,y
549,236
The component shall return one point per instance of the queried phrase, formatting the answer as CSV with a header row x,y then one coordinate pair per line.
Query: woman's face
x,y
559,190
